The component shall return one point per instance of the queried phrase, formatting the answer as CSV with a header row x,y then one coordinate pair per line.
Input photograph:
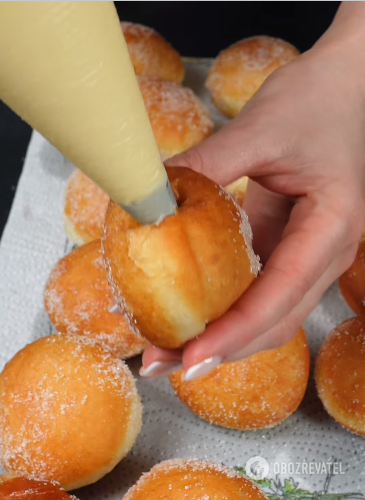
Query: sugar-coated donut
x,y
239,71
257,392
352,282
84,209
69,411
340,374
23,488
184,479
77,298
151,54
179,119
237,190
171,279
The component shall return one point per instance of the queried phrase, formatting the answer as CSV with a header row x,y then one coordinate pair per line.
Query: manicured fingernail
x,y
160,368
202,368
114,309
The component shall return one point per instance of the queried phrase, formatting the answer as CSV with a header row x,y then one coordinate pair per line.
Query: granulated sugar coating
x,y
191,479
85,207
152,55
78,298
69,411
179,119
340,374
255,393
240,70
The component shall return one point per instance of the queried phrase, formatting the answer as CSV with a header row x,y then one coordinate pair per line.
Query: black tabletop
x,y
194,29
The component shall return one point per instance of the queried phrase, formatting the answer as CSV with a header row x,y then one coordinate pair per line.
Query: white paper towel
x,y
34,240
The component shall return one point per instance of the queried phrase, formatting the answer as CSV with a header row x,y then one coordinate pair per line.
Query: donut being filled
x,y
23,488
254,393
69,411
340,374
240,70
151,54
78,298
171,279
183,479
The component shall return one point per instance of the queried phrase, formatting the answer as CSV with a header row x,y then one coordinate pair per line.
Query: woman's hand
x,y
301,140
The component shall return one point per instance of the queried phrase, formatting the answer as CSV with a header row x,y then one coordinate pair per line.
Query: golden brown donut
x,y
239,71
340,374
69,411
171,279
352,282
22,488
151,54
179,119
77,298
85,207
254,393
184,479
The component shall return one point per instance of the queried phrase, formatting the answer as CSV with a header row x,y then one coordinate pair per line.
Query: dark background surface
x,y
194,29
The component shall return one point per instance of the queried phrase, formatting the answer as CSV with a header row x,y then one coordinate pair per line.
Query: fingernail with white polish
x,y
160,368
202,368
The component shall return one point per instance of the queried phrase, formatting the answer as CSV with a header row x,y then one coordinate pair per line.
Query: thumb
x,y
228,154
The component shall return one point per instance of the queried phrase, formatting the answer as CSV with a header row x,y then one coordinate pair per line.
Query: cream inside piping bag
x,y
65,69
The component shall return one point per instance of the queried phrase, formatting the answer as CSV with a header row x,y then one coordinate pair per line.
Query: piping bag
x,y
65,69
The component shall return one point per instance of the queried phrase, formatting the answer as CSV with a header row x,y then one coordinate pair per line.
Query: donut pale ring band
x,y
77,298
340,374
69,411
239,71
352,282
22,488
150,54
183,479
254,393
179,119
171,279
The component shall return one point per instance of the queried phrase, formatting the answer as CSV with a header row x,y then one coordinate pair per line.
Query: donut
x,y
179,119
171,279
23,488
181,479
240,70
352,282
255,393
78,298
340,374
151,54
237,190
69,411
84,209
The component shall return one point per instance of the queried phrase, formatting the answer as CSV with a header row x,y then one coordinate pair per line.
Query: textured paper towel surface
x,y
34,240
